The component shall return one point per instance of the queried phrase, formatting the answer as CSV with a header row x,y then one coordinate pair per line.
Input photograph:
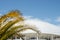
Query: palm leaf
x,y
8,30
7,26
11,14
9,33
14,30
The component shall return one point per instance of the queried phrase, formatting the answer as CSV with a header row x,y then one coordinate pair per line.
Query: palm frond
x,y
8,30
14,30
12,14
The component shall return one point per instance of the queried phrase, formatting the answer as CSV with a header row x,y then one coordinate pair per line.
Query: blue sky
x,y
47,10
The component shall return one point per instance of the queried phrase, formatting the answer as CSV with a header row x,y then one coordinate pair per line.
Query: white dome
x,y
44,27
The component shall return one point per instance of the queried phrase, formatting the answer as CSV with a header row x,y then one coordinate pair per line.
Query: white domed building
x,y
47,31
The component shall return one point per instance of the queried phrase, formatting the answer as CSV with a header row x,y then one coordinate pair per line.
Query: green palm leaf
x,y
8,30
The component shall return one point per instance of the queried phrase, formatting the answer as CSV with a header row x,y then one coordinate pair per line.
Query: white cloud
x,y
0,14
47,20
28,17
58,19
44,27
